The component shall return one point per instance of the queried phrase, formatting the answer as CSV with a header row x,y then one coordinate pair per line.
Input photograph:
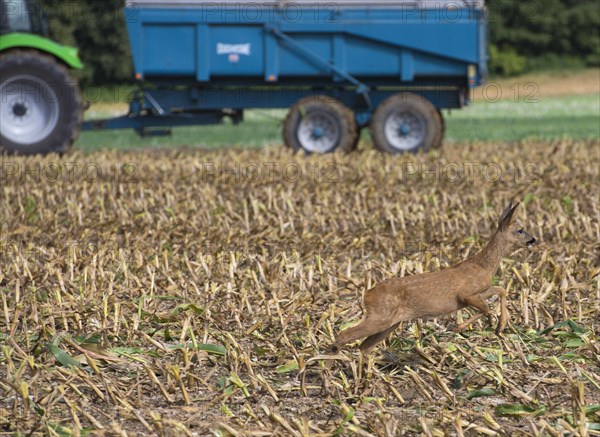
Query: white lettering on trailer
x,y
237,49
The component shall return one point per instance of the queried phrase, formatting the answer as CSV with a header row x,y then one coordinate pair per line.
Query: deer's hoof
x,y
460,328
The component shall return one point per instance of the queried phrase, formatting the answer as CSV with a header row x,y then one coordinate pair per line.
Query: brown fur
x,y
439,293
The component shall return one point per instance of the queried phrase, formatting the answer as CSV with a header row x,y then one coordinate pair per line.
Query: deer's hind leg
x,y
370,342
367,328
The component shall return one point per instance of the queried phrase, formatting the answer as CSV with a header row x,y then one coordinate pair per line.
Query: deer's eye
x,y
520,231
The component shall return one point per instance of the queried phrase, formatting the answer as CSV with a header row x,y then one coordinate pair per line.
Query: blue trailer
x,y
338,65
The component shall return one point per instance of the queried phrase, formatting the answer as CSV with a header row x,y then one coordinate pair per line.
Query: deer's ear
x,y
504,213
507,215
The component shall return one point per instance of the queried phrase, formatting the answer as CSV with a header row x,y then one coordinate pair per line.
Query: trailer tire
x,y
439,141
320,124
41,106
406,122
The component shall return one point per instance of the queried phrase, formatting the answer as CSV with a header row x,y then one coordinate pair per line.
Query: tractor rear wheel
x,y
320,124
406,122
41,107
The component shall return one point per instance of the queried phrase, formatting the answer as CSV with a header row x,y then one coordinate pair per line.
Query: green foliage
x,y
519,410
553,61
98,29
548,34
506,62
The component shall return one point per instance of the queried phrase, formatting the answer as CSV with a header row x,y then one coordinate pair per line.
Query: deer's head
x,y
511,230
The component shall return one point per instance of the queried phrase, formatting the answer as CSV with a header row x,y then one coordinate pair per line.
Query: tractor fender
x,y
68,55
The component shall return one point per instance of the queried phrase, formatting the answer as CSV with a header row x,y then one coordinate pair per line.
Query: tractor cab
x,y
24,16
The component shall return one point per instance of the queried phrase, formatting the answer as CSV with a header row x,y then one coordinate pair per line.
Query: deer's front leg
x,y
475,301
503,320
503,307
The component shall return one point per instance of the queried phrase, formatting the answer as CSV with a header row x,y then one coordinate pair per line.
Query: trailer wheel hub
x,y
405,130
319,131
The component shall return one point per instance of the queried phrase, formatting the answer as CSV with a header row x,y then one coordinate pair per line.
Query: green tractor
x,y
41,107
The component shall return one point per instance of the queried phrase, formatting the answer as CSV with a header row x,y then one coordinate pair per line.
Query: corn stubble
x,y
193,292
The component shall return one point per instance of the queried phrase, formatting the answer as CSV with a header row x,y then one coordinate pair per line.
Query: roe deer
x,y
434,294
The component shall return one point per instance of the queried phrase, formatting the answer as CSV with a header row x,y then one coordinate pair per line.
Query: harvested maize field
x,y
195,292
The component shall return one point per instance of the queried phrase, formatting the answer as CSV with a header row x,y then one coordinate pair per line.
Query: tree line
x,y
524,35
